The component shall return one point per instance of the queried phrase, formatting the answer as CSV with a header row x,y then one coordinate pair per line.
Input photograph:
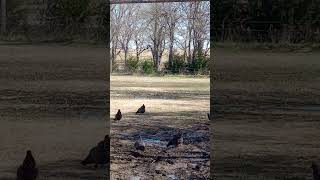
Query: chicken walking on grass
x,y
118,116
28,170
141,110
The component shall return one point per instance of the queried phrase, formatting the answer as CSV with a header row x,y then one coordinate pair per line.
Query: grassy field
x,y
52,101
266,124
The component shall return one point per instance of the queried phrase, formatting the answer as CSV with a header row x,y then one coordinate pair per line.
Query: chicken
x,y
99,154
141,110
118,115
315,169
175,141
28,170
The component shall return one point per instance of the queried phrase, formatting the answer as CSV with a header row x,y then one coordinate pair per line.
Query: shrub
x,y
147,66
114,67
200,64
178,64
132,64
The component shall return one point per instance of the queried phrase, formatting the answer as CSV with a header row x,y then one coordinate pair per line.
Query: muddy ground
x,y
267,111
52,101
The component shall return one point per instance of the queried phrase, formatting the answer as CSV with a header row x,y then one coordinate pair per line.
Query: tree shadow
x,y
181,95
70,168
65,169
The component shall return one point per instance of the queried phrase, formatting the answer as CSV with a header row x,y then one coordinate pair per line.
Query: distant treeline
x,y
287,21
276,21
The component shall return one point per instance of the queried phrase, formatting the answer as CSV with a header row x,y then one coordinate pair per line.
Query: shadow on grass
x,y
65,169
68,169
142,94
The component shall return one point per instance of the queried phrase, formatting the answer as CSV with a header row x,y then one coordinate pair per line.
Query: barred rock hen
x,y
99,154
315,169
141,110
175,141
118,115
28,170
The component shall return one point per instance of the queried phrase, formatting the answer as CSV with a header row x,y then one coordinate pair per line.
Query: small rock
x,y
135,178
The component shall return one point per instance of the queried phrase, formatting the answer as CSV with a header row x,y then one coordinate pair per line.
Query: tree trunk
x,y
126,58
156,58
114,52
112,57
137,55
137,50
222,30
170,61
189,48
3,17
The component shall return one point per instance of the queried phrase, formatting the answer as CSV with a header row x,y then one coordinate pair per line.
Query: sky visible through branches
x,y
187,20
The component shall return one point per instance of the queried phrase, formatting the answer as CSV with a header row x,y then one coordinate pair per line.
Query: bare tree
x,y
190,20
161,26
138,30
172,17
157,25
200,21
127,29
116,17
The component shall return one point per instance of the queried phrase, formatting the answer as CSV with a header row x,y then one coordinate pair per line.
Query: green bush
x,y
133,64
200,64
114,66
147,66
178,64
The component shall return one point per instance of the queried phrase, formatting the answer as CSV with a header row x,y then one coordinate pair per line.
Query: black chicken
x,y
315,169
141,110
99,154
118,115
175,141
28,170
